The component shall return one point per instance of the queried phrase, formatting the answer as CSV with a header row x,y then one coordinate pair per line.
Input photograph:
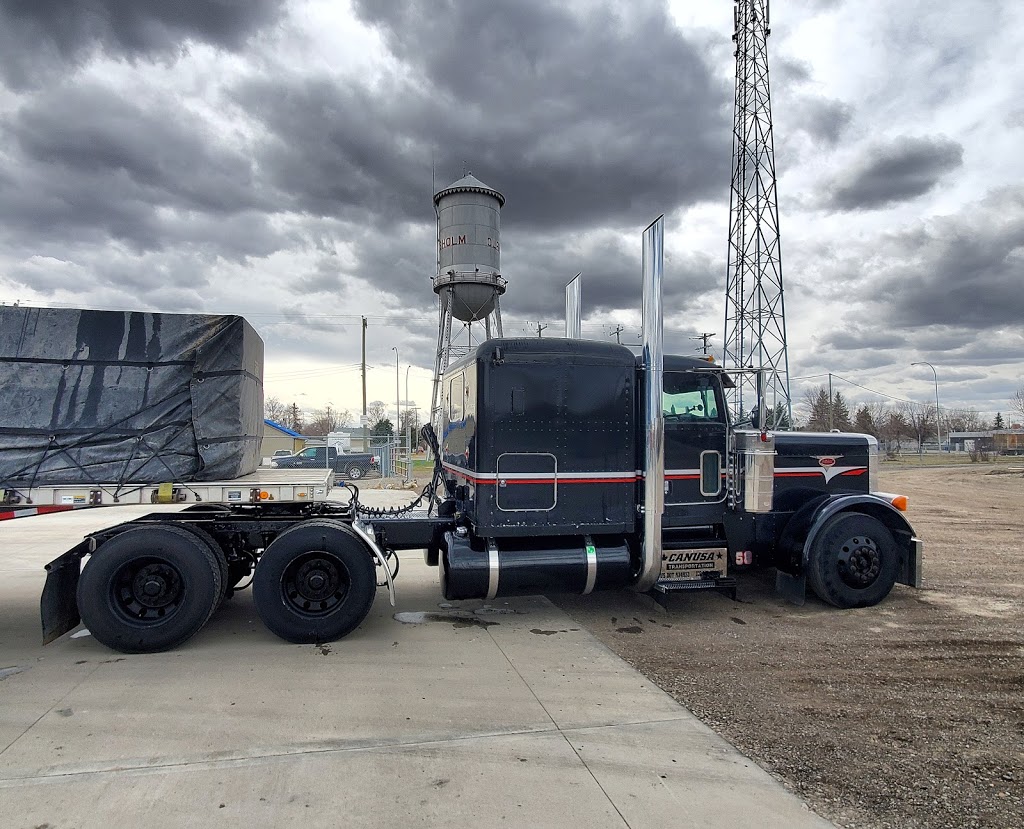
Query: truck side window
x,y
688,399
456,391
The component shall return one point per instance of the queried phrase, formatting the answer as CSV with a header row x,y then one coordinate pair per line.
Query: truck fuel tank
x,y
478,568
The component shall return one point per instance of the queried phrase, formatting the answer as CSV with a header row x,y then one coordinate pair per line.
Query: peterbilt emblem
x,y
827,461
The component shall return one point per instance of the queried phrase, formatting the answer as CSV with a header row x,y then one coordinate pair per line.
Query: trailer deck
x,y
265,484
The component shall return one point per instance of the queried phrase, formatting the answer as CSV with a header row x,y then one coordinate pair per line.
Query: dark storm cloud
x,y
823,119
564,114
38,37
898,170
82,163
943,278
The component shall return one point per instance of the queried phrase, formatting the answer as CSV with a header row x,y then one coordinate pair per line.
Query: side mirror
x,y
755,417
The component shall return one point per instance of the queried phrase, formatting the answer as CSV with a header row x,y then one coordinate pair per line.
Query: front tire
x,y
149,589
314,583
854,561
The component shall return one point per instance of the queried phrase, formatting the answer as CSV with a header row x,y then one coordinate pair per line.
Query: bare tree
x,y
376,412
1017,401
921,419
962,420
327,420
409,426
274,409
893,428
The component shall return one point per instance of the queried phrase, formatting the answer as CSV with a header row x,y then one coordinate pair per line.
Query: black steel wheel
x,y
355,472
149,588
854,561
315,582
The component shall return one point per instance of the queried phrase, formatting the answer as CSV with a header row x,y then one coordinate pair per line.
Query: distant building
x,y
277,437
999,441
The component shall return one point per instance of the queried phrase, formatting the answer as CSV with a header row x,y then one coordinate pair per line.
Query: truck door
x,y
695,439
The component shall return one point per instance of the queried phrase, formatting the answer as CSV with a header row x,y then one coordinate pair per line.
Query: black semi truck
x,y
561,465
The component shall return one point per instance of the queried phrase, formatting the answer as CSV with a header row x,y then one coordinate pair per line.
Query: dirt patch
x,y
908,714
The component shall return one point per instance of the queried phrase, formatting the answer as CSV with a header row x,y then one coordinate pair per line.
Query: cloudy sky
x,y
273,158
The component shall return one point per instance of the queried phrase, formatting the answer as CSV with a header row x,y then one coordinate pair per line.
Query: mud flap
x,y
58,606
910,570
792,588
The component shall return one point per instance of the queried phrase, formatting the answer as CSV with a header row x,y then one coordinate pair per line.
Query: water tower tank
x,y
469,247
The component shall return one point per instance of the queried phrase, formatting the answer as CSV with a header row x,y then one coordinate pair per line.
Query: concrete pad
x,y
477,714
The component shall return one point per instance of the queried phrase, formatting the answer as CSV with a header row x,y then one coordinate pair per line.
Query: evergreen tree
x,y
864,423
840,414
999,423
294,418
818,405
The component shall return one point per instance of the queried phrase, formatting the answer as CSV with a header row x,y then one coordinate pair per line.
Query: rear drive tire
x,y
222,559
854,561
355,472
315,582
149,589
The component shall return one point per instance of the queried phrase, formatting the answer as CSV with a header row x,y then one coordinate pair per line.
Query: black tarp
x,y
127,397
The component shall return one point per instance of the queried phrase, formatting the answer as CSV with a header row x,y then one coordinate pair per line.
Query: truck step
x,y
663,589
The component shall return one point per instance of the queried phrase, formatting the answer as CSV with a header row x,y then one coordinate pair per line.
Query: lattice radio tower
x,y
755,316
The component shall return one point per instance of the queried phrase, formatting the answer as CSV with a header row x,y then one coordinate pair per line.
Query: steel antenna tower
x,y
755,316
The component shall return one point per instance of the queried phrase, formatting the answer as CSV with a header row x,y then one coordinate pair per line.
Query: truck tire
x,y
149,589
355,472
315,582
222,559
854,561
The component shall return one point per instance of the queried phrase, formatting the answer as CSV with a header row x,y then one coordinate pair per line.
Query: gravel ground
x,y
908,714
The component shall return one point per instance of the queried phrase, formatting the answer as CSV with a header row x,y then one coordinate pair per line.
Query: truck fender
x,y
367,535
803,528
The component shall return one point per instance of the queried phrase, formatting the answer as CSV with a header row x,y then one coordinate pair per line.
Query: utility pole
x,y
831,402
617,334
705,336
755,317
364,369
540,328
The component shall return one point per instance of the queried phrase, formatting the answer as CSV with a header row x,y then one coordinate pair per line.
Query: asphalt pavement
x,y
458,714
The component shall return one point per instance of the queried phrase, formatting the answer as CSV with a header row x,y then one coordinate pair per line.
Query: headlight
x,y
274,464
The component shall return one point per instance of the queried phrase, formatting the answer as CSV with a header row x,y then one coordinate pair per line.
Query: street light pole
x,y
398,394
407,424
938,422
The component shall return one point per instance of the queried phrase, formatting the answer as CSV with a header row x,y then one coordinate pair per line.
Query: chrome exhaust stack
x,y
654,419
573,302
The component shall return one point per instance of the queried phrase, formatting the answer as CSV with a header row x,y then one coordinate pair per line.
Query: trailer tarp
x,y
127,397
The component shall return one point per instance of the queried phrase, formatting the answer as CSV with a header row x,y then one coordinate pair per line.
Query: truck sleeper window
x,y
456,391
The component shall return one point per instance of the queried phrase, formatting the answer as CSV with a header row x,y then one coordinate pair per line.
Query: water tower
x,y
468,281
